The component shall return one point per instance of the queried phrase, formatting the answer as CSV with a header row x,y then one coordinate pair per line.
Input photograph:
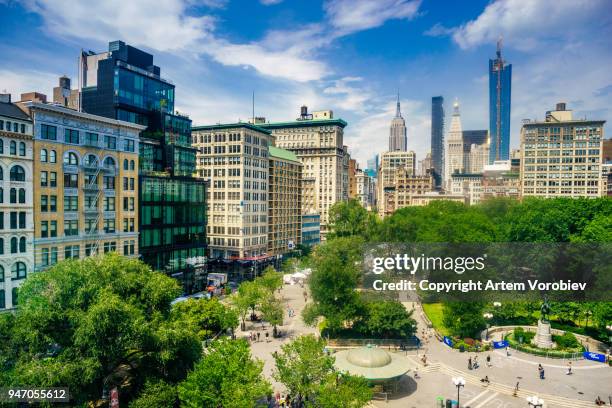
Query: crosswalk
x,y
487,397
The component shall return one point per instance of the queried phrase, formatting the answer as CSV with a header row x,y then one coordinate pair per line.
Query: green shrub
x,y
566,341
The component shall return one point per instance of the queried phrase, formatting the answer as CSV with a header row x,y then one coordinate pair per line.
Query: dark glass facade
x,y
172,203
500,89
437,138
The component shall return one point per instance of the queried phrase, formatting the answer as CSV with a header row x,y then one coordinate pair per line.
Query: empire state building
x,y
397,133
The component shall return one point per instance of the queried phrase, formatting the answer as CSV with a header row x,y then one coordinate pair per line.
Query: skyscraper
x,y
123,83
372,168
397,133
454,148
437,139
500,84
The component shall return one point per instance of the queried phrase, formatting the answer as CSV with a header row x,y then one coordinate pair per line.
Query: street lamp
x,y
459,382
535,402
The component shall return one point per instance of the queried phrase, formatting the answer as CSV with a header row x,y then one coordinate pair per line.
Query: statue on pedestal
x,y
543,337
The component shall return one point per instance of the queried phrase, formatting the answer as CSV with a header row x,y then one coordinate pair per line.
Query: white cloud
x,y
346,96
526,24
438,30
349,16
164,26
18,82
270,2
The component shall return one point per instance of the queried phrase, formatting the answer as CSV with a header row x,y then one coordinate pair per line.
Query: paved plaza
x,y
589,379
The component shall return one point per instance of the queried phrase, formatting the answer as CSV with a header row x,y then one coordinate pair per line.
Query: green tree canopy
x,y
226,377
97,323
206,316
464,319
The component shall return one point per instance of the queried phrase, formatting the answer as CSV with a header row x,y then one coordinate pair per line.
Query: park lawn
x,y
435,314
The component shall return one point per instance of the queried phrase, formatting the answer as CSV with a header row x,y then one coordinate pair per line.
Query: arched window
x,y
1,195
17,173
44,156
91,159
13,147
22,149
13,196
14,245
1,146
1,278
109,162
71,158
125,164
52,156
132,164
22,197
18,271
2,248
22,244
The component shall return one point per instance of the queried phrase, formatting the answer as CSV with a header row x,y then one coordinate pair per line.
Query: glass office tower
x,y
437,139
500,86
124,84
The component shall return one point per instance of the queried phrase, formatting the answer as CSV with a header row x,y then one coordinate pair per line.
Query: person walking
x,y
541,371
489,360
258,336
470,363
569,368
267,334
507,351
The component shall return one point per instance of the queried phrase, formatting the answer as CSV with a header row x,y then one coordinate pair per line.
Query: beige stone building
x,y
284,201
234,158
318,141
562,156
467,185
389,163
85,184
366,190
500,180
427,198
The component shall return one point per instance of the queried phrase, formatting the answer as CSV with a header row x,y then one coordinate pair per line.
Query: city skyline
x,y
351,60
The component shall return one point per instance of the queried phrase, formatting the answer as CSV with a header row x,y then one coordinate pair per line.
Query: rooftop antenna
x,y
499,46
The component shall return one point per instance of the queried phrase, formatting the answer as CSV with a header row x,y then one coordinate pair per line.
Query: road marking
x,y
476,397
482,404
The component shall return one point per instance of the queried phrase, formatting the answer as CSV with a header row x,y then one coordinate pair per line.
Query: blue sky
x,y
350,56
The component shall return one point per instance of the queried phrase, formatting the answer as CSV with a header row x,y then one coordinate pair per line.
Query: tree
x,y
464,319
156,395
270,280
302,366
333,283
389,319
272,311
206,316
343,391
246,297
226,377
95,324
350,219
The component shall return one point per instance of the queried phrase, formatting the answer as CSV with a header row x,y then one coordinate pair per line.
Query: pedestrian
x,y
258,336
470,363
569,368
475,365
541,371
516,389
488,360
267,334
424,359
507,352
485,380
416,374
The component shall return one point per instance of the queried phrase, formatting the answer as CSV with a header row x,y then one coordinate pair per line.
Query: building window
x,y
71,159
18,271
110,246
91,138
44,203
1,249
1,143
109,182
44,156
125,164
129,247
17,173
1,277
128,145
53,203
14,245
71,136
48,132
22,244
109,163
22,196
72,251
71,203
132,165
23,128
13,147
71,180
71,228
52,156
110,142
53,229
53,179
44,179
90,249
2,297
44,229
109,203
91,160
22,149
109,225
13,196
